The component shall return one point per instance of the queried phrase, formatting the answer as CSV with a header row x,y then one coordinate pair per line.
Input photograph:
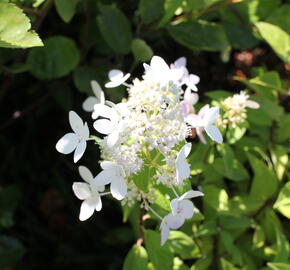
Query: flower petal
x,y
109,165
89,103
102,110
174,206
80,150
99,93
187,208
164,234
75,121
85,174
81,190
118,187
67,143
214,133
98,201
113,138
103,178
87,208
211,116
184,152
115,75
189,97
182,171
180,62
84,132
103,126
191,194
194,120
252,104
175,222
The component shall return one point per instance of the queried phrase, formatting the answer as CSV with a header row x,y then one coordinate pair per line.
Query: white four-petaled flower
x,y
89,193
113,174
205,120
99,98
74,141
182,167
117,78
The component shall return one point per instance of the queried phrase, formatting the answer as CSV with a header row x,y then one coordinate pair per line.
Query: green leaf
x,y
282,247
15,28
136,259
278,39
170,7
234,222
66,9
200,35
258,237
82,78
115,29
216,198
151,10
206,229
182,245
279,266
141,50
280,17
178,264
283,130
160,256
279,156
265,183
234,134
203,263
11,251
283,202
226,265
56,59
234,170
218,94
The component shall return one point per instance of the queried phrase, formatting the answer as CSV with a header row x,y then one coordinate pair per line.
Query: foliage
x,y
242,222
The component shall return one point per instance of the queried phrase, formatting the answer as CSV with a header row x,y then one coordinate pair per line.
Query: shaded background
x,y
38,211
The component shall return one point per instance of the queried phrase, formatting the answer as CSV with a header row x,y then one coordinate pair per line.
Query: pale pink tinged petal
x,y
102,110
211,116
87,209
183,170
180,62
67,143
118,188
214,133
158,64
103,178
75,121
89,103
164,234
84,132
103,126
187,208
175,222
174,206
98,203
85,174
252,104
109,165
113,138
81,190
194,120
81,148
203,111
115,75
185,108
194,79
191,194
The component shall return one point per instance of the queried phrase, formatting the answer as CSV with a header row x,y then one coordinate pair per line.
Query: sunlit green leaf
x,y
283,202
137,258
170,6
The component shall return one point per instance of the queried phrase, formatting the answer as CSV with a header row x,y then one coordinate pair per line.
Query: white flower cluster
x,y
144,141
235,109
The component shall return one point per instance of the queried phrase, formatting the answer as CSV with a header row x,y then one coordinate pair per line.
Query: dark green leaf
x,y
141,50
151,10
66,9
170,7
83,77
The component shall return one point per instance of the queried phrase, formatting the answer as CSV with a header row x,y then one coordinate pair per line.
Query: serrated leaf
x,y
66,9
277,38
115,29
56,59
200,35
15,28
136,259
283,202
160,256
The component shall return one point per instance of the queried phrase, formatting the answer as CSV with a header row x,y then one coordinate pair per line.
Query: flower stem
x,y
104,193
152,210
174,191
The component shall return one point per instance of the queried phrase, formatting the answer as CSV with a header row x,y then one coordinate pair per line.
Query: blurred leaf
x,y
198,5
244,205
179,265
207,228
142,179
160,256
283,130
283,202
170,6
240,36
279,266
270,223
182,245
11,251
280,17
234,222
234,134
56,59
15,28
258,237
83,76
263,177
141,50
279,156
203,263
278,39
226,265
136,259
115,29
215,197
151,10
200,35
282,247
218,94
66,9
